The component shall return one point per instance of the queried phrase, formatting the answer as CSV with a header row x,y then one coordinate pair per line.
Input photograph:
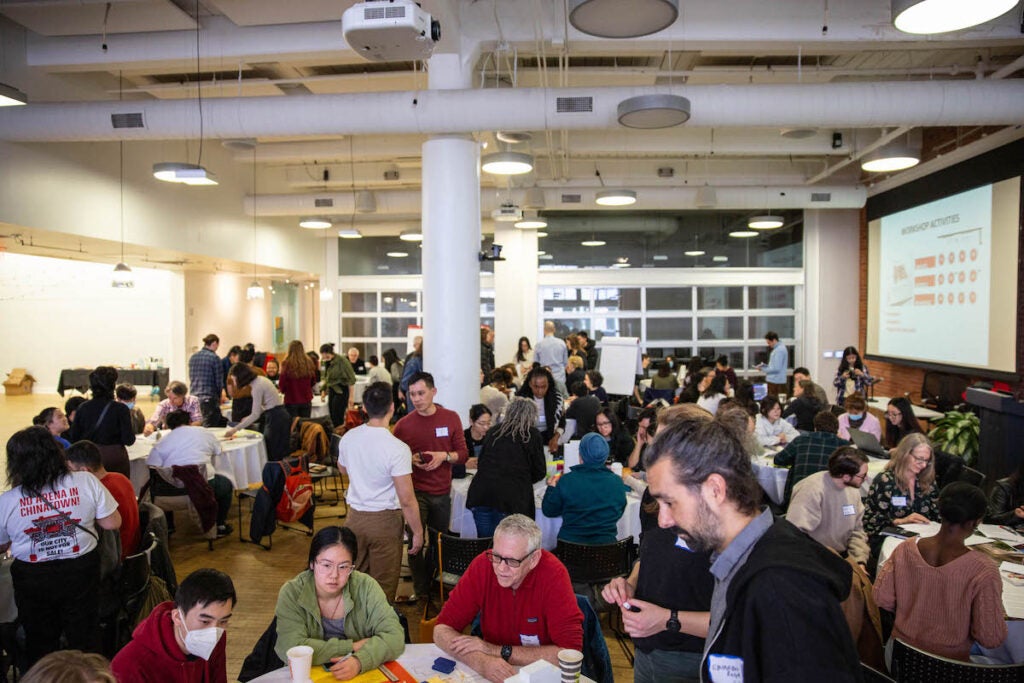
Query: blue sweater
x,y
590,500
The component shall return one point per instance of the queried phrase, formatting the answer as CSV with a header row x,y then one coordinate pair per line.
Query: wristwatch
x,y
506,652
672,624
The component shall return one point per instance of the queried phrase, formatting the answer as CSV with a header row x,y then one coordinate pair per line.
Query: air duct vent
x,y
821,196
572,199
132,120
391,174
574,105
323,203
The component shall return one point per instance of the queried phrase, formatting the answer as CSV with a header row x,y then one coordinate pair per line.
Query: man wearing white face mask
x,y
182,641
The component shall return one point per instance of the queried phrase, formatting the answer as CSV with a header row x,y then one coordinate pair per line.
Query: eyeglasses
x,y
603,424
512,562
329,567
921,460
893,414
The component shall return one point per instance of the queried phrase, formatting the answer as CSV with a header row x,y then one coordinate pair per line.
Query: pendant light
x,y
925,17
122,277
765,222
255,290
618,19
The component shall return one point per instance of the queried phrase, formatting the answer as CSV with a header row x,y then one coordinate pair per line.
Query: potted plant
x,y
956,433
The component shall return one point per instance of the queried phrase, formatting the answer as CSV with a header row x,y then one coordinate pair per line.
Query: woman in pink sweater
x,y
945,595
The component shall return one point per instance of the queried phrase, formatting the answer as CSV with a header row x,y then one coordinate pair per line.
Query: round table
x,y
241,461
417,659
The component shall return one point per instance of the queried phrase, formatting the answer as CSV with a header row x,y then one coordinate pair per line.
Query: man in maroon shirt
x,y
435,437
525,600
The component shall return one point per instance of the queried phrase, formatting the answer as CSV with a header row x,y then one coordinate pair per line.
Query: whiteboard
x,y
620,363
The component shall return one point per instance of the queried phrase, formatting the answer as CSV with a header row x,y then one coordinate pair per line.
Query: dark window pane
x,y
782,325
682,352
358,302
398,302
566,326
615,299
719,298
621,327
772,297
669,298
669,328
395,327
734,353
720,328
358,327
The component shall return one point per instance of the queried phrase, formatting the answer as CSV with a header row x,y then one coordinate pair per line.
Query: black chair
x,y
872,675
330,471
972,476
452,555
171,498
910,664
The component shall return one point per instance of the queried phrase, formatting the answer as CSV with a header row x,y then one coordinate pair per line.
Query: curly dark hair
x,y
34,459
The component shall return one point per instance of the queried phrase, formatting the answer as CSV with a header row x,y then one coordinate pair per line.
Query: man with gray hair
x,y
525,600
178,398
552,354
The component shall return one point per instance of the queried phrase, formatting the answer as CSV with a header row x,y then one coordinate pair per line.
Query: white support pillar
x,y
451,245
330,321
515,290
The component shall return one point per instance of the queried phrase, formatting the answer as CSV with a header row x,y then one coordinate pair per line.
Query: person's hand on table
x,y
345,668
617,591
230,432
553,480
553,443
649,620
912,518
148,429
464,645
1019,512
497,670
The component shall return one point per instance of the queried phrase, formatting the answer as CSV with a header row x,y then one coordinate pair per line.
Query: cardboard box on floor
x,y
18,382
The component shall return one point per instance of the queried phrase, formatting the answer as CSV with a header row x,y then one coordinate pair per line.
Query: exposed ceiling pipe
x,y
464,111
409,202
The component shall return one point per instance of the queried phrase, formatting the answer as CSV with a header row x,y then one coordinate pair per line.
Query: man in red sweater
x,y
435,437
182,641
84,456
525,600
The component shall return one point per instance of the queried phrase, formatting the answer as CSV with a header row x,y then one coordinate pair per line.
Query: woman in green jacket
x,y
339,612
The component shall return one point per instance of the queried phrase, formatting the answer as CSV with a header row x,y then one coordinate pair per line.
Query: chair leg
x,y
615,624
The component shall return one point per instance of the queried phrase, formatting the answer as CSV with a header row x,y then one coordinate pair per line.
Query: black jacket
x,y
506,472
805,409
782,615
115,428
1003,499
552,410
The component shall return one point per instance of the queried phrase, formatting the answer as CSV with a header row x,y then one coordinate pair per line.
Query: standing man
x,y
380,491
778,361
434,435
775,611
552,354
336,382
207,378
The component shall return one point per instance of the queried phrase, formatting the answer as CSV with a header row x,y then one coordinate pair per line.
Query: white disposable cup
x,y
617,468
570,662
300,661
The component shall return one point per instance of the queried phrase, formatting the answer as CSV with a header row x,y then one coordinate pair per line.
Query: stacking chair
x,y
179,502
972,476
453,554
912,664
873,675
330,472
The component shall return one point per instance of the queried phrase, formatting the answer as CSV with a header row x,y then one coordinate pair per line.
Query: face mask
x,y
130,405
855,418
202,641
670,364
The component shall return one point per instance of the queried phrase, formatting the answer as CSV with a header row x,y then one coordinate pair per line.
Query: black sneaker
x,y
224,530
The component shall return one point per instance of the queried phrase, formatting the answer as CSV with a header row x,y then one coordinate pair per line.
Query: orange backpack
x,y
297,497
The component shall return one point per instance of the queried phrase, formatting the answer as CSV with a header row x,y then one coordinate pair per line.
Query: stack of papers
x,y
1001,533
1013,593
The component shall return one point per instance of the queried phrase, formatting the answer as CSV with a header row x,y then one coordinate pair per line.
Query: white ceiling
x,y
279,50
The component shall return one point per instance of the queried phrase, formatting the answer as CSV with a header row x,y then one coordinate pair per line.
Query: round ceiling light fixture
x,y
766,222
898,155
656,110
397,254
531,223
593,242
615,197
743,233
506,163
923,17
411,236
695,252
315,223
617,19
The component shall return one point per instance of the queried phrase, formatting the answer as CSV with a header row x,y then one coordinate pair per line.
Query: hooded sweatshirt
x,y
590,498
782,617
153,655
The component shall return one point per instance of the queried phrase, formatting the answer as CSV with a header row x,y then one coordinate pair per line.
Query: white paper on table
x,y
997,532
1011,567
570,431
1013,595
923,530
571,455
975,539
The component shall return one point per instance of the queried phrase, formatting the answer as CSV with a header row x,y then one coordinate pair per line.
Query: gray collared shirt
x,y
725,564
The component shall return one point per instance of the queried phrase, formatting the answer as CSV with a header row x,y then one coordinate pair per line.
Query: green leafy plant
x,y
957,433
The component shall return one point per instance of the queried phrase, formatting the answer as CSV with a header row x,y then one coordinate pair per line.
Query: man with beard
x,y
775,611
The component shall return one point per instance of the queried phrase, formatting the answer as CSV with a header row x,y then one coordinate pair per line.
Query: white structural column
x,y
515,290
330,320
451,244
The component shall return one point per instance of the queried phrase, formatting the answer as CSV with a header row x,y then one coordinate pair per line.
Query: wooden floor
x,y
258,574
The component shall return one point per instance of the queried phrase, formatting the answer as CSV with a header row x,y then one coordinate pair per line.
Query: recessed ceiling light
x,y
593,243
545,257
315,223
531,223
615,197
798,133
743,233
411,236
620,265
654,110
766,222
941,16
541,253
695,252
397,254
506,163
383,266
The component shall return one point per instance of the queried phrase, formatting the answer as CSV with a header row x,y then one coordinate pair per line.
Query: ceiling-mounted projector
x,y
390,30
507,212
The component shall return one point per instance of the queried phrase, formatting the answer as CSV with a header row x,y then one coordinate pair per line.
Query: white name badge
x,y
529,641
899,501
680,543
725,668
849,510
440,431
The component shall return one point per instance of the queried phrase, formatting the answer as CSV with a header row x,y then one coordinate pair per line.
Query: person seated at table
x,y
183,640
809,453
341,613
827,505
495,394
647,423
104,421
804,405
49,520
525,601
771,429
574,371
589,498
178,398
905,493
594,379
127,393
1006,500
480,420
540,386
900,421
266,403
298,374
664,379
375,372
946,597
858,417
818,391
189,445
620,443
511,460
717,389
742,423
358,365
699,383
273,370
83,456
70,666
583,408
55,422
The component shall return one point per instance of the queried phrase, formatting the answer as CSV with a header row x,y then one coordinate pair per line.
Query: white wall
x,y
215,302
64,314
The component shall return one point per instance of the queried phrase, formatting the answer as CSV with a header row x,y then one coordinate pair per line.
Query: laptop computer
x,y
867,442
760,391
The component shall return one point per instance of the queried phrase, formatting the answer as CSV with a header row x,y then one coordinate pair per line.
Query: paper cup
x,y
617,468
570,662
300,661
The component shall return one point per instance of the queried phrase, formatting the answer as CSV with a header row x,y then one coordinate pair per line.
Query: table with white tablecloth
x,y
463,524
417,659
319,407
241,461
773,479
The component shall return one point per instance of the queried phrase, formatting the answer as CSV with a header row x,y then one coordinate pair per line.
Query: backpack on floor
x,y
297,497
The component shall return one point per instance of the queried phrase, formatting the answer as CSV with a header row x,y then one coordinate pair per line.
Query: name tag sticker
x,y
529,641
849,510
680,543
440,431
899,501
725,668
532,620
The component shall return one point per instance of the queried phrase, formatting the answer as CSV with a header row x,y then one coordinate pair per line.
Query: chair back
x,y
872,675
651,395
183,501
136,570
913,664
596,563
972,476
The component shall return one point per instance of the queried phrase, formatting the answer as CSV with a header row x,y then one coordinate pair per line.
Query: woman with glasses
x,y
479,422
905,493
899,421
620,443
341,613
